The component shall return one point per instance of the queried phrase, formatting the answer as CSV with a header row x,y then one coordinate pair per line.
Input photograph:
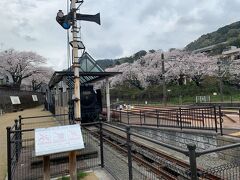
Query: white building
x,y
5,79
231,53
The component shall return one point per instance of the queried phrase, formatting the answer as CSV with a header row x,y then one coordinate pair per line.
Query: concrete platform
x,y
102,174
95,174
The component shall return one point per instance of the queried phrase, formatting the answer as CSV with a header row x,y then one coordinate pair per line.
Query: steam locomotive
x,y
91,104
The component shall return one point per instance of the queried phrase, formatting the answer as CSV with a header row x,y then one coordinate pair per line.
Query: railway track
x,y
161,164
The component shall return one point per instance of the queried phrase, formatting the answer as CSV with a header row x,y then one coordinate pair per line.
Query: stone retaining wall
x,y
25,99
176,137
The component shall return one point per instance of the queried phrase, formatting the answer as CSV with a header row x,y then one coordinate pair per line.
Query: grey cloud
x,y
107,51
25,4
152,9
186,20
29,38
230,6
22,28
127,26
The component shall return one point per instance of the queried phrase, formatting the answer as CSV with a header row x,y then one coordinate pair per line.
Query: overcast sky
x,y
127,25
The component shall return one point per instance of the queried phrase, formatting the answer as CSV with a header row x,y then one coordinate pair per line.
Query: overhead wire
x,y
68,42
69,70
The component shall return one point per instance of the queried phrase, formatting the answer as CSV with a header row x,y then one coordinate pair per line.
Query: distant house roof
x,y
89,72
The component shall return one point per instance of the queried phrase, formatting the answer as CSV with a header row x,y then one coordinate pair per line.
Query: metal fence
x,y
23,164
225,165
122,164
204,118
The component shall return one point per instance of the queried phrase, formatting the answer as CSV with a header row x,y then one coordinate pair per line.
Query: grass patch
x,y
176,94
80,176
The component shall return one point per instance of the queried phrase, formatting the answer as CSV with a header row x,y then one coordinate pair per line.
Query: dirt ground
x,y
8,120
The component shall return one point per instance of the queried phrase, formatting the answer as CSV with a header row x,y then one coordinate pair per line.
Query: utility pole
x,y
220,80
164,81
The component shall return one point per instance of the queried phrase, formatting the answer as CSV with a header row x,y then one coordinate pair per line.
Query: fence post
x,y
215,117
157,117
192,161
140,117
144,117
101,145
177,119
120,115
203,118
180,117
239,113
127,116
129,153
220,119
20,129
16,139
9,159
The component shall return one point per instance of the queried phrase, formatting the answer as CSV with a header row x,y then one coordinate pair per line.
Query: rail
x,y
204,118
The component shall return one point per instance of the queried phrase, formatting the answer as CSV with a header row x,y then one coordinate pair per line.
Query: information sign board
x,y
35,98
15,100
58,139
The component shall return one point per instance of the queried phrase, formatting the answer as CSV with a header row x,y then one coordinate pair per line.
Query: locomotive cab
x,y
91,103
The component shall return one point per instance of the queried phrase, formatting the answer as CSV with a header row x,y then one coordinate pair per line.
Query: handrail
x,y
199,153
35,117
115,127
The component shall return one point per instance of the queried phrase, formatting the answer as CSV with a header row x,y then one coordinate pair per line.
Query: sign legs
x,y
46,167
72,165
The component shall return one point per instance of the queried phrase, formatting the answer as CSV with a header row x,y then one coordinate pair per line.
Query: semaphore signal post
x,y
67,21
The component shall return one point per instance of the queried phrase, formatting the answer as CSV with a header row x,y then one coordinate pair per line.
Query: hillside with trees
x,y
225,36
106,63
186,75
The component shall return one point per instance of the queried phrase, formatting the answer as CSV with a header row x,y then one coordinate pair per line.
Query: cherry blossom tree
x,y
38,79
20,65
230,69
179,65
193,65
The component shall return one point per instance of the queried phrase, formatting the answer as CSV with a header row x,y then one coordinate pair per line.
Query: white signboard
x,y
34,97
58,139
202,99
15,100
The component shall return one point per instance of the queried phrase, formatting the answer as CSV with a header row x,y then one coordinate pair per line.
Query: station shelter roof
x,y
90,71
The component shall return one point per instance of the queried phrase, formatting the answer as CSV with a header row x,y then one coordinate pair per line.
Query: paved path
x,y
8,120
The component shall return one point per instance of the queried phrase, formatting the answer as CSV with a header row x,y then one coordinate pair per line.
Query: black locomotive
x,y
91,104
